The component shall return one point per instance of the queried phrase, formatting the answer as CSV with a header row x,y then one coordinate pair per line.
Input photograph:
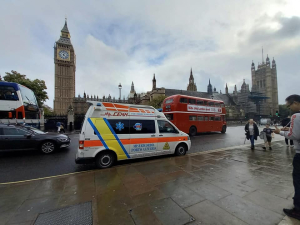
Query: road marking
x,y
43,178
89,171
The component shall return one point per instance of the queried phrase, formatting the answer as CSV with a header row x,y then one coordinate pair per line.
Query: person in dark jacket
x,y
286,123
251,132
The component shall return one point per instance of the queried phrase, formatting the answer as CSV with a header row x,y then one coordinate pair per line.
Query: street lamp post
x,y
120,87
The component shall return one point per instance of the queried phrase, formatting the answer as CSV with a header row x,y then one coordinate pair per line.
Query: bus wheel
x,y
181,149
105,160
193,131
223,131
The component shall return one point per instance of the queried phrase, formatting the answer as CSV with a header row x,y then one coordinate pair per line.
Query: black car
x,y
17,137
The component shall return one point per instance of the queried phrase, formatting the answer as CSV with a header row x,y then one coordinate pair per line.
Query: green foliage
x,y
284,111
37,86
47,111
157,102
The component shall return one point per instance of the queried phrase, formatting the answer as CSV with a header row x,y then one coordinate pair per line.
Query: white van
x,y
112,132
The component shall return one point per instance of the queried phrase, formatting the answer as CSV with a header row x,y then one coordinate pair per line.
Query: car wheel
x,y
193,131
181,149
223,131
105,160
47,147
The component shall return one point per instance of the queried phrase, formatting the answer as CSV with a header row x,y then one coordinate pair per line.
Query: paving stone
x,y
269,201
181,194
79,197
208,191
168,212
233,186
148,197
143,215
29,210
207,213
248,211
289,221
48,188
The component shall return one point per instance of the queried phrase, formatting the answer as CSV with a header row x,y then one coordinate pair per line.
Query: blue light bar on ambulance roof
x,y
98,104
159,110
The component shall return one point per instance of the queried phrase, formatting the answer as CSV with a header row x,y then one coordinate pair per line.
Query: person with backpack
x,y
293,133
251,132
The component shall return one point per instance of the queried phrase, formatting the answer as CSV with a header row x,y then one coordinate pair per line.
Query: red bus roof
x,y
187,96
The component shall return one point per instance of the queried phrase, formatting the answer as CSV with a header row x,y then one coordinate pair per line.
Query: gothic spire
x,y
65,28
154,78
191,74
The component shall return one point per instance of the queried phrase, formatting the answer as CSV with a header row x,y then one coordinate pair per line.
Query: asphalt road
x,y
25,165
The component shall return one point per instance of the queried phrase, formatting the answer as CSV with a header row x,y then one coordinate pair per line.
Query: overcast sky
x,y
124,41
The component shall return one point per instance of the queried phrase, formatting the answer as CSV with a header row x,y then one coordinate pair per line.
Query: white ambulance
x,y
112,132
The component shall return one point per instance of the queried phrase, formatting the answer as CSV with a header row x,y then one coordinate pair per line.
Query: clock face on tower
x,y
63,54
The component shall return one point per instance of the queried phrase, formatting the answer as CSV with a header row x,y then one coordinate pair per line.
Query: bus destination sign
x,y
195,108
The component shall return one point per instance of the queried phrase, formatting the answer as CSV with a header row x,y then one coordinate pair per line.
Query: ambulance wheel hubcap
x,y
181,150
105,160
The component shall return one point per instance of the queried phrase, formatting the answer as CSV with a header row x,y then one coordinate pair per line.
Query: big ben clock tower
x,y
65,67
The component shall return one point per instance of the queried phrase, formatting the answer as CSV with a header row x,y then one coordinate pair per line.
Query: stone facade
x,y
65,67
264,80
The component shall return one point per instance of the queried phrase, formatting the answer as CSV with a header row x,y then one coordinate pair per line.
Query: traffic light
x,y
276,112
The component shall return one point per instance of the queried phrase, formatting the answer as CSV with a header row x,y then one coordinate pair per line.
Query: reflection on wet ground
x,y
233,186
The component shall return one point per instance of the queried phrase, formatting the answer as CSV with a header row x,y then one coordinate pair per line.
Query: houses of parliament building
x,y
238,104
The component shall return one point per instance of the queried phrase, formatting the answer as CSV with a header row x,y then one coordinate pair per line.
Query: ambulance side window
x,y
142,127
119,126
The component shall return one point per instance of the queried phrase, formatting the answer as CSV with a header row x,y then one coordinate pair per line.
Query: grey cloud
x,y
289,28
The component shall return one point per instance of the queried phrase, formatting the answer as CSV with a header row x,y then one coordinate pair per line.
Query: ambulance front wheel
x,y
181,149
105,160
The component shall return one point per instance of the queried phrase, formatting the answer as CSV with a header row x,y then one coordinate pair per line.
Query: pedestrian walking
x,y
251,132
267,136
293,133
58,126
286,123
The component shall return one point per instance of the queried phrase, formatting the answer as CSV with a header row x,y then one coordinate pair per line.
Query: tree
x,y
284,111
157,101
47,110
37,86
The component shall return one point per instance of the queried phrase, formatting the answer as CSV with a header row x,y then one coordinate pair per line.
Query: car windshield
x,y
28,96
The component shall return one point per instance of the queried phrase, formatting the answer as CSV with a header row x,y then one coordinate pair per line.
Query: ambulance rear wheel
x,y
105,160
181,150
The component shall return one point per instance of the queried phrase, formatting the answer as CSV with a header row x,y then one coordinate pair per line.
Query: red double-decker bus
x,y
194,115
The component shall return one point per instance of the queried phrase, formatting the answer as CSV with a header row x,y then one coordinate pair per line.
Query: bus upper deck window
x,y
211,103
168,101
205,103
192,101
217,104
199,102
183,100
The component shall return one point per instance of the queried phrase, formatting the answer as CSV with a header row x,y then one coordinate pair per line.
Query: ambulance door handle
x,y
153,135
161,135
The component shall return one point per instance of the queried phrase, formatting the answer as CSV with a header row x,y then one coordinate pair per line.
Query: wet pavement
x,y
24,165
229,186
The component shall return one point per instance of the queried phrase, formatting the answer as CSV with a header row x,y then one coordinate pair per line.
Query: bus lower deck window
x,y
194,118
217,118
169,116
211,118
206,118
200,118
